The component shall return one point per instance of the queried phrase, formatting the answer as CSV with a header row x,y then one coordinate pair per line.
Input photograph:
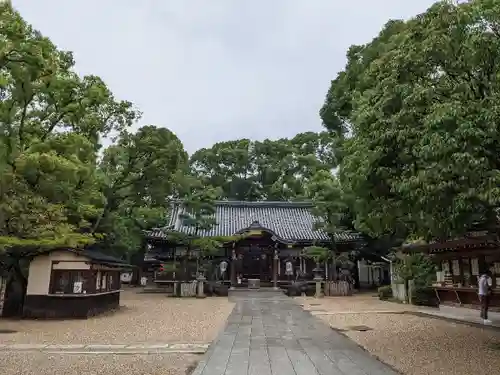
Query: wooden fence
x,y
337,288
188,289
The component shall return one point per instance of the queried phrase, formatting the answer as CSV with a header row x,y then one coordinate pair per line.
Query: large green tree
x,y
58,188
330,204
51,122
418,110
138,174
265,170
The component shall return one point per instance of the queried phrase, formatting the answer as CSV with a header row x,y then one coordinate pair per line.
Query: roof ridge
x,y
286,204
291,220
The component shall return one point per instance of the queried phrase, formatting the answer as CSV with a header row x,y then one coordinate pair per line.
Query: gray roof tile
x,y
291,221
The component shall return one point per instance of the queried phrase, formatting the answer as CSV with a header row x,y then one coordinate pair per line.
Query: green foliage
x,y
55,191
169,268
267,170
317,253
330,204
385,292
418,111
417,267
50,124
138,174
198,206
423,296
207,246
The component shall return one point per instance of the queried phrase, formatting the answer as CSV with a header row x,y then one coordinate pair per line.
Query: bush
x,y
297,288
214,288
221,290
422,296
385,292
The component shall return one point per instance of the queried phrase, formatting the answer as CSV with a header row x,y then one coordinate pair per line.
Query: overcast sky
x,y
213,70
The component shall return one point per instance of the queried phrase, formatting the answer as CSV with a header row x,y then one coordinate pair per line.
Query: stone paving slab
x,y
272,335
159,348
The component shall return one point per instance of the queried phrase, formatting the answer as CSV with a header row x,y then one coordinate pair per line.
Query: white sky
x,y
213,70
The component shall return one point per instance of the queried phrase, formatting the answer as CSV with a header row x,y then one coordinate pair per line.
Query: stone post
x,y
275,269
201,281
318,280
233,270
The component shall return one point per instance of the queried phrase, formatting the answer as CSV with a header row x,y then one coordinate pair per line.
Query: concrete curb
x,y
323,312
454,319
187,348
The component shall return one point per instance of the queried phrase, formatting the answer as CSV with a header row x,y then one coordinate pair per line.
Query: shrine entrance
x,y
254,255
256,263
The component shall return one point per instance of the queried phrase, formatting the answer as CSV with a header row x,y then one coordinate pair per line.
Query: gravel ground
x,y
145,318
414,345
67,364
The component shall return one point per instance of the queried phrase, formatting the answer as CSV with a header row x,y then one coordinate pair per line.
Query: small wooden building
x,y
459,263
72,284
275,234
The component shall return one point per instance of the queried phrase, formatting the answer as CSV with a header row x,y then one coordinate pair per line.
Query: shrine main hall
x,y
274,236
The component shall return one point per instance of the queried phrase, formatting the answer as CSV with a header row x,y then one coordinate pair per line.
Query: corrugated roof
x,y
290,221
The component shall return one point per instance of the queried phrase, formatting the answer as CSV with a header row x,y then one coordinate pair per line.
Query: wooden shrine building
x,y
459,263
275,234
72,283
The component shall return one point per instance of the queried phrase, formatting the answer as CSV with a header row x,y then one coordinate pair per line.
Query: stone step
x,y
245,293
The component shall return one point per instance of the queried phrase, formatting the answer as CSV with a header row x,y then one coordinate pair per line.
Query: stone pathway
x,y
269,334
192,348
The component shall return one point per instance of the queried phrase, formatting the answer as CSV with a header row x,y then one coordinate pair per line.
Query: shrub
x,y
424,297
385,292
417,267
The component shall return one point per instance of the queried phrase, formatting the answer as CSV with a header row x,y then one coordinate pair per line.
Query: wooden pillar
x,y
233,269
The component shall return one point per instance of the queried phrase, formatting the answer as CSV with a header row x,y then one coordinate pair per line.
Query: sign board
x,y
77,287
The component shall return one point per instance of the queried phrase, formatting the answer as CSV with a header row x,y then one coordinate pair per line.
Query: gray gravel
x,y
145,318
67,364
412,344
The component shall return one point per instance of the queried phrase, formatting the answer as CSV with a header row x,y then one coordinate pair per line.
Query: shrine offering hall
x,y
274,236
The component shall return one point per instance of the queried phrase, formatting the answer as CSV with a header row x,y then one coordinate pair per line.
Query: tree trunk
x,y
15,289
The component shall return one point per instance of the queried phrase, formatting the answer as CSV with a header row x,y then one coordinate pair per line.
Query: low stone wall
x,y
337,288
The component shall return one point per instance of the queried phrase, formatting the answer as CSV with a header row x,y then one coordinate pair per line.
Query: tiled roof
x,y
99,257
93,255
290,221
